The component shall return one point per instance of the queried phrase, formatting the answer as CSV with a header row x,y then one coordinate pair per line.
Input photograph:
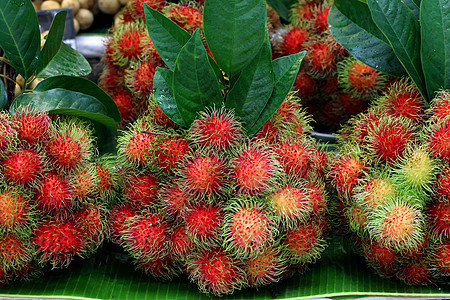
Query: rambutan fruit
x,y
204,223
440,259
384,260
137,7
23,165
112,77
157,115
269,133
107,174
254,168
8,133
248,227
403,99
438,139
15,210
415,273
31,126
305,85
141,189
351,105
71,146
290,203
442,185
294,156
357,218
321,57
387,140
215,271
319,200
147,236
91,221
126,104
181,243
119,219
439,219
215,129
54,194
162,269
440,106
84,182
397,224
273,18
292,119
187,17
358,79
302,11
15,251
377,190
265,268
293,40
58,242
304,243
204,174
169,153
139,78
174,199
320,23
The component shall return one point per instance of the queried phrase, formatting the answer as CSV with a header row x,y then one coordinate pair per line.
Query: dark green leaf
x,y
84,86
163,92
167,37
352,26
67,61
252,90
282,7
412,5
53,42
435,54
234,31
285,70
402,29
62,101
195,85
20,38
3,95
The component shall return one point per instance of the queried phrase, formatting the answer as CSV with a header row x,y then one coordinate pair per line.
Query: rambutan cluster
x,y
131,58
51,209
390,181
227,210
332,84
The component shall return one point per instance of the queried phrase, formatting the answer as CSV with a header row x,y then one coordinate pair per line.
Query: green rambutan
x,y
141,189
15,210
439,219
248,227
204,223
304,243
293,40
187,17
215,129
378,190
23,165
58,242
54,195
15,251
215,271
31,126
254,168
119,219
265,268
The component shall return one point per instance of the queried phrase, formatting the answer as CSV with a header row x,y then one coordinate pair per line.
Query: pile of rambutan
x,y
51,209
130,57
391,182
332,84
226,210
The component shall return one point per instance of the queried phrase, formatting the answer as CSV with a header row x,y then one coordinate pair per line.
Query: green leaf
x,y
234,31
62,101
412,5
84,86
195,85
67,61
352,26
435,51
402,30
285,70
163,92
282,7
167,37
20,38
53,42
3,95
252,90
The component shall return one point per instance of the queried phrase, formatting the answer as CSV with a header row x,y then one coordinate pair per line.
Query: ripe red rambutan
x,y
351,105
157,115
302,11
58,242
303,244
126,104
290,112
204,223
248,227
442,185
439,219
357,218
321,57
15,252
54,195
7,131
31,126
139,78
383,259
305,85
255,168
438,137
345,170
268,132
164,268
174,199
215,129
23,166
273,18
14,210
138,148
137,7
187,17
440,259
112,77
84,182
294,156
141,189
107,177
215,271
320,23
90,219
317,193
181,243
440,106
169,153
204,174
265,268
294,40
415,273
147,236
118,220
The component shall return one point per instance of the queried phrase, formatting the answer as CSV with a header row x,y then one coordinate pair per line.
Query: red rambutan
x,y
294,156
31,126
169,153
157,115
141,189
440,259
442,185
438,137
383,259
7,131
118,220
54,195
90,219
321,57
303,244
204,223
440,106
415,273
84,182
23,166
137,7
14,210
126,104
15,252
265,268
344,174
351,105
139,78
164,268
294,40
181,243
174,199
187,17
305,85
439,219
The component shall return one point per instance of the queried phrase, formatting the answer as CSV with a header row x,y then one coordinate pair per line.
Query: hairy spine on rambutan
x,y
415,273
440,259
139,78
442,184
141,189
169,153
91,221
31,126
137,7
215,129
215,271
321,57
182,245
375,190
267,267
438,213
437,136
119,218
15,251
357,217
107,173
204,223
174,199
54,195
15,210
162,269
302,11
304,243
84,182
58,242
383,259
293,40
294,155
8,133
248,227
126,103
23,165
440,106
187,17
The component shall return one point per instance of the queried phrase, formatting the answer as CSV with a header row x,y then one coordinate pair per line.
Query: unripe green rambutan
x,y
248,227
23,166
15,210
265,268
163,269
204,223
378,190
54,195
58,242
215,271
147,236
141,189
15,251
31,126
304,243
119,219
